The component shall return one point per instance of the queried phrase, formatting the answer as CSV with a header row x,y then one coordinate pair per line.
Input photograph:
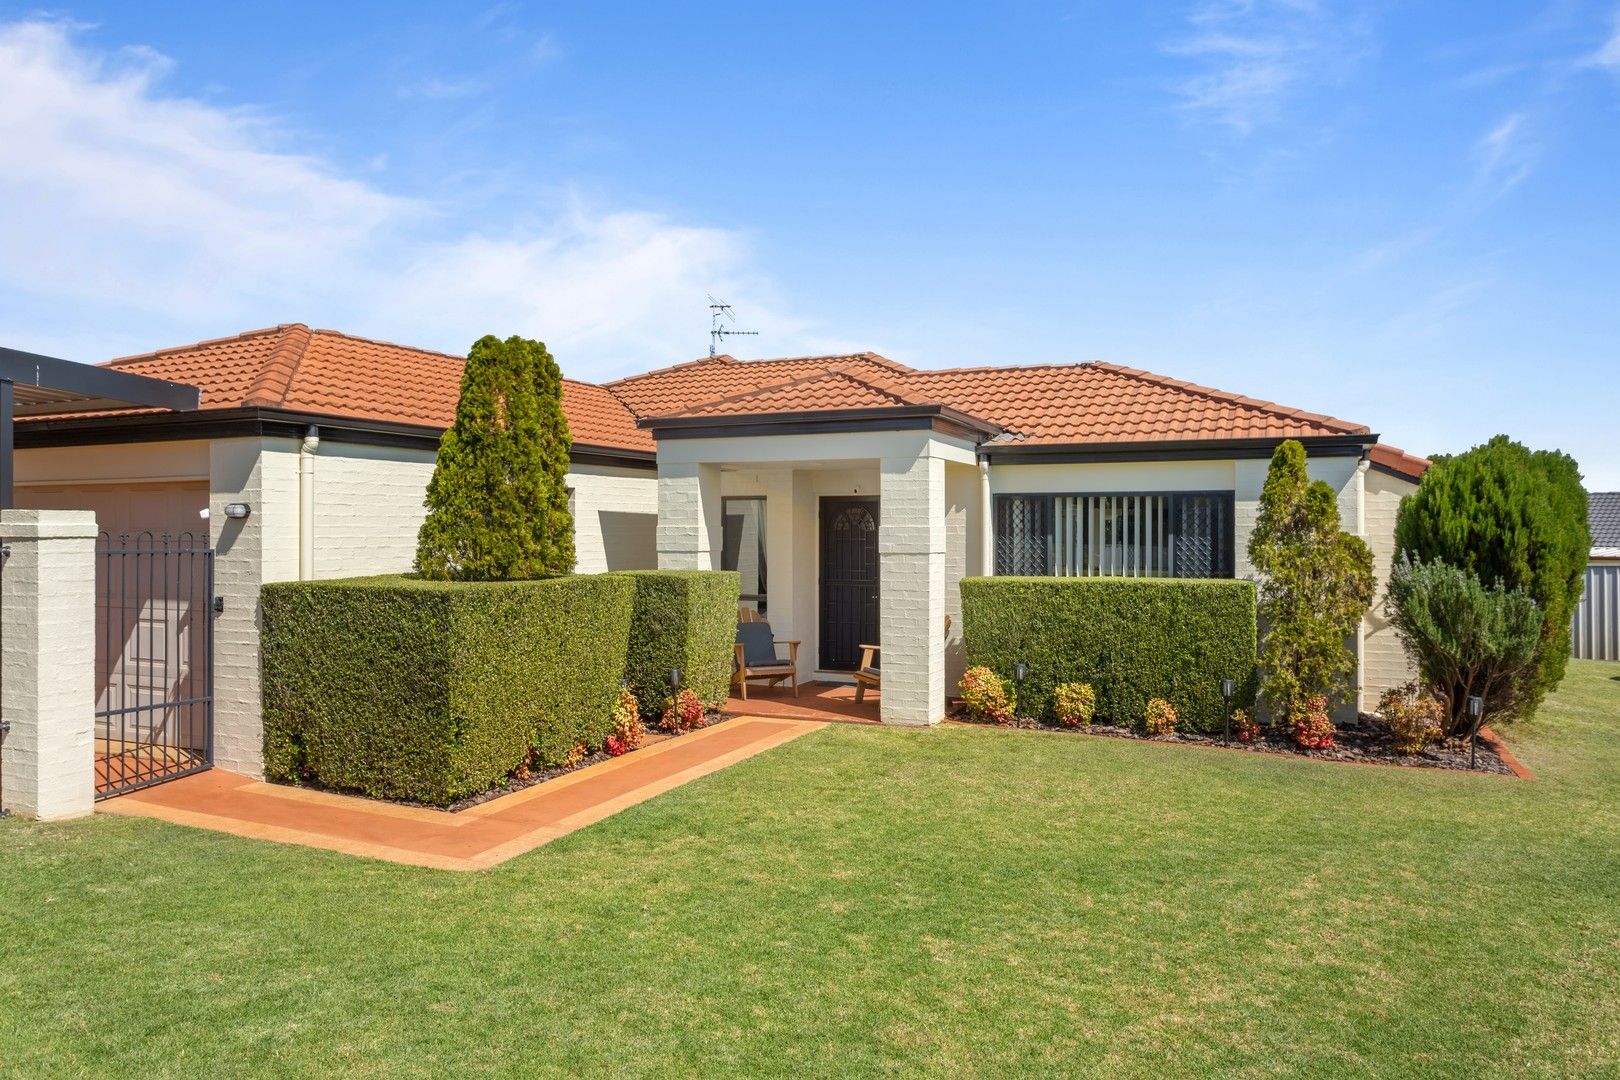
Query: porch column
x,y
689,520
911,612
49,756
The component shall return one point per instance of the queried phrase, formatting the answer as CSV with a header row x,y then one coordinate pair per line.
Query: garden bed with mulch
x,y
1365,740
530,777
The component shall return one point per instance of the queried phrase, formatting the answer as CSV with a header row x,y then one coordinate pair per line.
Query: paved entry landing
x,y
473,839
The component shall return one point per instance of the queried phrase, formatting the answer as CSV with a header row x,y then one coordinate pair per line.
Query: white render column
x,y
689,520
50,662
911,610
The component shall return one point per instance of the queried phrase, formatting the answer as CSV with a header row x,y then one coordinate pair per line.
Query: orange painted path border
x,y
475,839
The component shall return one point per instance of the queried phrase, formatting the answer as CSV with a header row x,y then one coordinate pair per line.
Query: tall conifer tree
x,y
1514,517
1316,582
498,501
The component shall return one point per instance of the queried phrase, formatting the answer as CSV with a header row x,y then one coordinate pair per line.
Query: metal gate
x,y
154,660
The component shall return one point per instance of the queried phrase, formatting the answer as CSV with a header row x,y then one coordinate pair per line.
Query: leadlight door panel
x,y
849,581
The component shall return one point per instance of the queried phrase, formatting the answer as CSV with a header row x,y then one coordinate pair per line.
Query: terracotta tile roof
x,y
830,391
1059,404
1398,461
1106,403
597,418
686,386
332,374
327,373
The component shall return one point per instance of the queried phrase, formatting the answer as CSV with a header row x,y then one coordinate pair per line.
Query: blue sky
x,y
1405,215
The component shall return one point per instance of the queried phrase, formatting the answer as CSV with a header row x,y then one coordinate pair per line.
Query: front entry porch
x,y
823,700
841,541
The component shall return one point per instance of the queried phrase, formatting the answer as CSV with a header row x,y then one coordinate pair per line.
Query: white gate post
x,y
49,662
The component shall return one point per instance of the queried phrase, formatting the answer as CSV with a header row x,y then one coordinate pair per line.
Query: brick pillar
x,y
49,660
688,516
911,609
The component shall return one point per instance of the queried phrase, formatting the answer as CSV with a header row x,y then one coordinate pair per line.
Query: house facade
x,y
852,493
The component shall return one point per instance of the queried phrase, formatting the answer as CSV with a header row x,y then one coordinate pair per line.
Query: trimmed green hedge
x,y
684,619
433,691
1131,638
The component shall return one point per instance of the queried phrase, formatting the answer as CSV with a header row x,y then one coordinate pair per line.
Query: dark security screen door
x,y
849,581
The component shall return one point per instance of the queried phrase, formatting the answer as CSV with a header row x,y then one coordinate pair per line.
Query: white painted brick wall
x,y
1384,660
615,518
911,547
368,508
688,516
50,662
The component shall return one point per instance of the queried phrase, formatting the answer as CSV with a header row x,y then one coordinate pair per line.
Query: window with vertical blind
x,y
1159,534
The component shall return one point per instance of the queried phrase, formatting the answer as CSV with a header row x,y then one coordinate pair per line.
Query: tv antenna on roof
x,y
720,314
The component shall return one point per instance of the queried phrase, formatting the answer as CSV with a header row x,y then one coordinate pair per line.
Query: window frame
x,y
760,600
1049,498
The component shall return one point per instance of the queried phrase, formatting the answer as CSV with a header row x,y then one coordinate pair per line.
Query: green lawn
x,y
865,900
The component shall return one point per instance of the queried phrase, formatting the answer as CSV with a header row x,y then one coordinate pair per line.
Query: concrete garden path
x,y
474,839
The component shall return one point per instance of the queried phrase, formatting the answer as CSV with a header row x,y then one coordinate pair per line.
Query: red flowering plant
x,y
1159,717
627,726
684,713
1312,728
986,696
1244,726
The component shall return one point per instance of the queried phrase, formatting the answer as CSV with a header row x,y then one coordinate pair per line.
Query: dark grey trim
x,y
1226,495
585,454
1199,450
50,385
269,422
938,418
7,442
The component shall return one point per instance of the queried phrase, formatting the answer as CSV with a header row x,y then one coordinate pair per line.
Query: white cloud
x,y
132,212
1252,55
1504,155
441,89
1608,54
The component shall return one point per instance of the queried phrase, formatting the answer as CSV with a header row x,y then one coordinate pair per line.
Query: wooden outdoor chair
x,y
757,658
870,673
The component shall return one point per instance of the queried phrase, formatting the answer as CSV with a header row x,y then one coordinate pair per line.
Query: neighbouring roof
x,y
326,373
1603,514
1393,459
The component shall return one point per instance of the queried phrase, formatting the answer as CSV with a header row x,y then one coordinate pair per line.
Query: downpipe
x,y
306,503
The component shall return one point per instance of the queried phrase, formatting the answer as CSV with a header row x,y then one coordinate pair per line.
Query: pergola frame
x,y
35,385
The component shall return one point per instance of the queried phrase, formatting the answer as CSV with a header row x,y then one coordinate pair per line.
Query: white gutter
x,y
306,503
987,527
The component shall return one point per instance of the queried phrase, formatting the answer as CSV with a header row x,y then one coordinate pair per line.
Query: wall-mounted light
x,y
238,511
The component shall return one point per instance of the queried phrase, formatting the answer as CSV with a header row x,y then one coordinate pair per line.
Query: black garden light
x,y
674,682
1476,712
1228,688
1020,673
